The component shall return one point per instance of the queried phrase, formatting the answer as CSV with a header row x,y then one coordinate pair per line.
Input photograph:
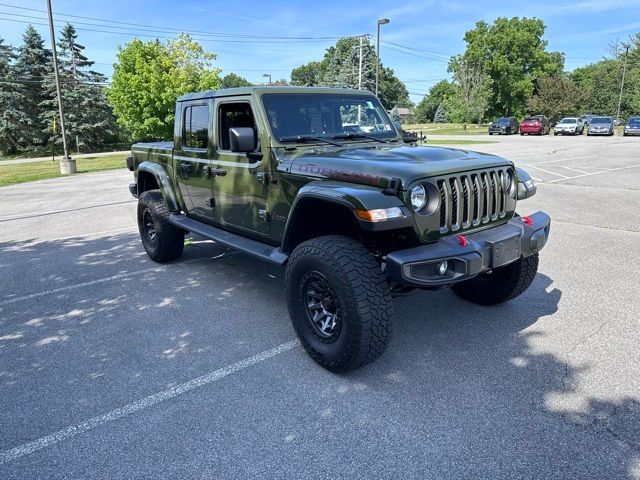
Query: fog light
x,y
443,267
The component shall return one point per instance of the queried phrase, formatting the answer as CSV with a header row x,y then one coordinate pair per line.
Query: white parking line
x,y
563,160
82,235
547,171
572,169
151,400
118,276
592,173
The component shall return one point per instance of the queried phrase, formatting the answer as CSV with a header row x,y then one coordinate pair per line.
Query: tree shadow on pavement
x,y
462,391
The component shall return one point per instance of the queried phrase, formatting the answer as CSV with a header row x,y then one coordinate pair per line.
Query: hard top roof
x,y
227,92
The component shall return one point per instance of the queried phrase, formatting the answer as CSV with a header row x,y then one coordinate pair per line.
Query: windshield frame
x,y
392,135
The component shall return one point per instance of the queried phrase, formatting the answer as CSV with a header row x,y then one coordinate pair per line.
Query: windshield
x,y
634,121
531,121
604,120
326,115
502,121
568,120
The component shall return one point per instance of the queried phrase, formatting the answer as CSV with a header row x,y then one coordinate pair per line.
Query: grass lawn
x,y
28,172
46,151
456,142
445,129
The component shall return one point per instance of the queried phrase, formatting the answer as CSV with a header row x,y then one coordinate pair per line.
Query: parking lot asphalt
x,y
112,366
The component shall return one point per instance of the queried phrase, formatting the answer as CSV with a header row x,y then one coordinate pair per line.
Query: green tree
x,y
513,53
88,116
556,97
308,75
441,115
31,68
426,109
471,98
10,101
340,66
149,76
231,80
602,80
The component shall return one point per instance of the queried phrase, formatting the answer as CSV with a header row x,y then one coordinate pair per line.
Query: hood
x,y
377,165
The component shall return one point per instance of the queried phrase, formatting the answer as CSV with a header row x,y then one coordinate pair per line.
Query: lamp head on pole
x,y
383,21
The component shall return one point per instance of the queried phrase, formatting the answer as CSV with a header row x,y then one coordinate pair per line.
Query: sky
x,y
581,29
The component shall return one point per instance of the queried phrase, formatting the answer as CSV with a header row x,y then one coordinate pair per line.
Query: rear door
x,y
192,157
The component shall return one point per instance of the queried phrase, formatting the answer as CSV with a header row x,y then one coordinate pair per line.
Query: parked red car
x,y
538,125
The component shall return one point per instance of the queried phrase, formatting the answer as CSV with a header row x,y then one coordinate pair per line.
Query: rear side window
x,y
196,126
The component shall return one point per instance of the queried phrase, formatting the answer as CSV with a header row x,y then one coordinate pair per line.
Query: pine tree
x,y
441,115
10,101
31,68
88,117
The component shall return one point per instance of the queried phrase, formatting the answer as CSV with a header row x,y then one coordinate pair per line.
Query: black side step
x,y
257,249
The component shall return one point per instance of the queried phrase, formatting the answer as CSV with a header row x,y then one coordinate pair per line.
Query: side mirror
x,y
242,139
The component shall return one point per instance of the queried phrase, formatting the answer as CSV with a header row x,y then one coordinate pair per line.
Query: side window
x,y
196,126
233,115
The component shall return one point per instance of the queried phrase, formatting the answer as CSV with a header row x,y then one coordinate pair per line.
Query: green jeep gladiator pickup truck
x,y
319,180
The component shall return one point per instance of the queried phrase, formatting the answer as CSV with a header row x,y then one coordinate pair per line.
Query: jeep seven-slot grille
x,y
471,199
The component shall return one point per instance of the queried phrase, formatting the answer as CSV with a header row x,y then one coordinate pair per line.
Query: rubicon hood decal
x,y
376,166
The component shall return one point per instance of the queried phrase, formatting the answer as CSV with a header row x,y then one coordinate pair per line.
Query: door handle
x,y
186,166
218,172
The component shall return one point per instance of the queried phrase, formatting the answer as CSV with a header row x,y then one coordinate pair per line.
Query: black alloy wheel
x,y
322,307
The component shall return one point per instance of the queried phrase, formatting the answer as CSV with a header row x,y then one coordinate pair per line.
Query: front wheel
x,y
501,284
339,302
162,241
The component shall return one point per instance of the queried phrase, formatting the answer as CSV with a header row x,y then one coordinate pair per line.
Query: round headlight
x,y
418,197
508,183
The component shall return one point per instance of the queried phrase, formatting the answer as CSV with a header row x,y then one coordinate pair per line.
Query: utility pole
x,y
360,66
624,70
67,164
382,21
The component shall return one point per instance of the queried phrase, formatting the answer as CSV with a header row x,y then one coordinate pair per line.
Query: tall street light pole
x,y
382,21
67,164
267,75
624,70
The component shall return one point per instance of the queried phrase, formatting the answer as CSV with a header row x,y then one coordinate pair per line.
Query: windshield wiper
x,y
308,138
347,136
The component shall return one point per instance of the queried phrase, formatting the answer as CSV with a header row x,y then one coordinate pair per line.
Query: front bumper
x,y
599,132
484,250
630,132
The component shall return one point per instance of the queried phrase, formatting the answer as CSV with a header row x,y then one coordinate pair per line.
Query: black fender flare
x,y
163,179
352,197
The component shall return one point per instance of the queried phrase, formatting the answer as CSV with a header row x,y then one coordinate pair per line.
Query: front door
x,y
192,158
239,182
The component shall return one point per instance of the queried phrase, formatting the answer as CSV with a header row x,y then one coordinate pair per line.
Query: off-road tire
x,y
502,284
362,295
168,243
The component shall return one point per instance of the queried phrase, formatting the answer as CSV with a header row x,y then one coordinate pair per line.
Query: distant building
x,y
405,115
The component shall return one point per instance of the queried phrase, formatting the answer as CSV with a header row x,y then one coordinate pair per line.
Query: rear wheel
x,y
502,284
162,241
339,302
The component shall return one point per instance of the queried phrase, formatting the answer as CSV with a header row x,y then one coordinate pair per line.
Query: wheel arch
x,y
328,208
152,176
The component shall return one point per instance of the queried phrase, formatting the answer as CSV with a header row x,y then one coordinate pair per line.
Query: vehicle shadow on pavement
x,y
476,388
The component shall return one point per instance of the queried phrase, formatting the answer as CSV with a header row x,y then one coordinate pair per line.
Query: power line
x,y
445,56
433,59
155,28
135,34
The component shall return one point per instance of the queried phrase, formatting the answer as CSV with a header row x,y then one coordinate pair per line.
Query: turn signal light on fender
x,y
462,240
527,221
